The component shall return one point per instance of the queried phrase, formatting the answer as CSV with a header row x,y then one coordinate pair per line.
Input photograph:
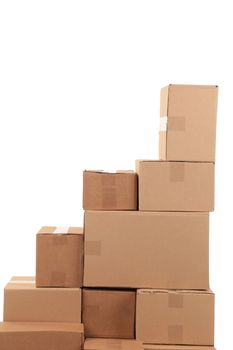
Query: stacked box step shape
x,y
137,276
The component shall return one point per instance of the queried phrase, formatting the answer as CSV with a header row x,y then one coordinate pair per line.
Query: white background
x,y
79,88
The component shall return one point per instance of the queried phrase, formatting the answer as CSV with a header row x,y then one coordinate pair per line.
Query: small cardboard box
x,y
176,347
175,186
59,257
188,123
23,302
109,191
175,317
109,313
37,336
132,249
113,344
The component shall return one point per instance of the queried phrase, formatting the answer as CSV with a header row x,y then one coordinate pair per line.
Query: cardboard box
x,y
114,344
37,336
175,317
146,250
175,186
59,257
23,302
176,347
188,123
109,191
109,313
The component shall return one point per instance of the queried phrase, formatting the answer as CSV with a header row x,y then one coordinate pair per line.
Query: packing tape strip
x,y
60,240
172,123
109,198
58,278
93,248
22,281
163,124
175,334
108,171
61,230
177,123
175,300
109,191
108,179
177,171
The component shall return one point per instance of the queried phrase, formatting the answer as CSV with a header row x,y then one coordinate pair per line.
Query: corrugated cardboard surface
x,y
109,313
191,128
24,302
175,317
38,336
109,191
59,258
176,347
114,344
175,186
146,250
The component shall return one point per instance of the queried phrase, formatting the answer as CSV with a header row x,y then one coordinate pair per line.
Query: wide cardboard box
x,y
146,250
109,313
188,123
23,302
38,336
175,317
109,191
113,344
59,257
175,186
176,347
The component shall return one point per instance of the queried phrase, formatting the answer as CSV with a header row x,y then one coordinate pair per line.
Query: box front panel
x,y
146,250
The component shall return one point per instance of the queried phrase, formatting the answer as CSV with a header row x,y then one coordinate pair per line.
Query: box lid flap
x,y
47,230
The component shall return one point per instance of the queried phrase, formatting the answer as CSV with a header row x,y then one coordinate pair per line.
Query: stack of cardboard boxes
x,y
137,276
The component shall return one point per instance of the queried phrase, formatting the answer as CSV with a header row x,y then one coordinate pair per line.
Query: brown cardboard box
x,y
37,336
59,257
114,344
175,186
109,313
109,191
146,250
176,347
23,302
175,317
188,123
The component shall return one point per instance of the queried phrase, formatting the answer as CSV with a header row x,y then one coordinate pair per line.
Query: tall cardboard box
x,y
146,250
109,313
59,257
109,190
188,123
175,317
175,186
23,302
114,344
38,336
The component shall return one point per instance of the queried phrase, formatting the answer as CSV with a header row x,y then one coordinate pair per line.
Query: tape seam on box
x,y
163,124
175,334
60,240
175,300
176,171
61,230
175,123
22,282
